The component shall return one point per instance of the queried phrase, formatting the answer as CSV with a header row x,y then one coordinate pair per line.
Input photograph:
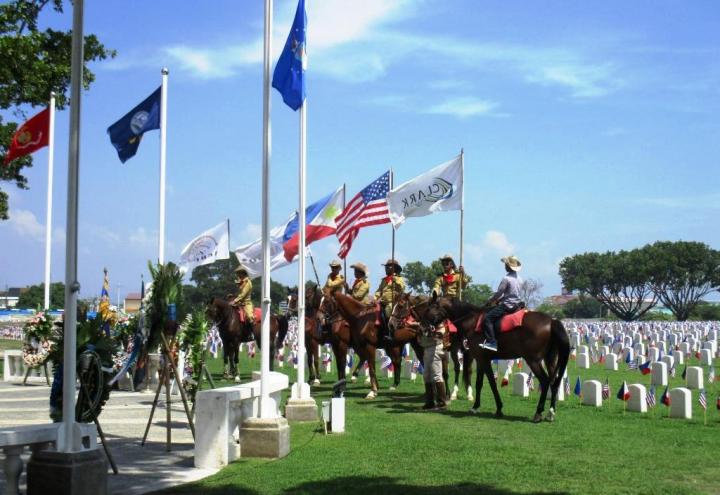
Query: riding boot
x,y
441,397
429,400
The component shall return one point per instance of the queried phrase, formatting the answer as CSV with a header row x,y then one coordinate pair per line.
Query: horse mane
x,y
351,305
464,307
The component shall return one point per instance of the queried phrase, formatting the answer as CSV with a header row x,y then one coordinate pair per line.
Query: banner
x,y
250,255
211,245
440,189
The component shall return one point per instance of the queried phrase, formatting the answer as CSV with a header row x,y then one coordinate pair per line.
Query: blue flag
x,y
126,133
289,75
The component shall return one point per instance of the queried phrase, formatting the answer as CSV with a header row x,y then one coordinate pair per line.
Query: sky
x,y
586,126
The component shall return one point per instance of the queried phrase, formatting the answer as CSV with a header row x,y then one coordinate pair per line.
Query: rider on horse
x,y
392,286
244,297
450,282
335,282
360,290
506,300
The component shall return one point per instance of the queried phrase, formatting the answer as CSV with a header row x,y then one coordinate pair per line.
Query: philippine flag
x,y
623,393
645,368
319,223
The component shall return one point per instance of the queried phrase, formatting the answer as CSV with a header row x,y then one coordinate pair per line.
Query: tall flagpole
x,y
462,218
163,156
302,391
266,410
66,435
48,219
345,258
392,256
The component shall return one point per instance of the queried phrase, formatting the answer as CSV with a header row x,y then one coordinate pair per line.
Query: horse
x,y
540,340
233,332
364,334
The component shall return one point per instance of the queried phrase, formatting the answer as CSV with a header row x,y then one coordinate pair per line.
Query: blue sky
x,y
586,127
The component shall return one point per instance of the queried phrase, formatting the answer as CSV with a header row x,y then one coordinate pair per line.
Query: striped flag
x,y
650,397
386,363
606,390
567,386
703,399
366,208
530,382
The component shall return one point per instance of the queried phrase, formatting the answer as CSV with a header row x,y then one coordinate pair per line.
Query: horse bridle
x,y
336,316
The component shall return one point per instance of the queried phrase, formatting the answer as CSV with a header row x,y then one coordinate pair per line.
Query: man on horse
x,y
506,300
360,290
450,282
335,281
392,286
244,297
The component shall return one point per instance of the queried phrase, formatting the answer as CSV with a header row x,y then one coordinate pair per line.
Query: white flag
x,y
211,245
250,255
440,189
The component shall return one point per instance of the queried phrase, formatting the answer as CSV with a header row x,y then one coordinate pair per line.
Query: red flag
x,y
30,137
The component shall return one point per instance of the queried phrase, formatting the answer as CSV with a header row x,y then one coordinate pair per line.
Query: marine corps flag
x,y
30,137
126,133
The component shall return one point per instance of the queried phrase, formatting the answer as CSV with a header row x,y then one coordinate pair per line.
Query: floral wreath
x,y
37,345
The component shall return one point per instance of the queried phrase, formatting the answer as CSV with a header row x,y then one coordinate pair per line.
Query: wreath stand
x,y
168,370
29,369
204,374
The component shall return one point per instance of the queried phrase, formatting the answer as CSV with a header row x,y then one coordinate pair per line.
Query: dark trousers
x,y
491,317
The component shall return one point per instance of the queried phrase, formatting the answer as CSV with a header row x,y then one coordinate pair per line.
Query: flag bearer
x,y
391,288
360,290
506,299
335,281
244,297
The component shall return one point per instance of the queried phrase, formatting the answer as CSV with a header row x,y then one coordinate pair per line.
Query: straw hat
x,y
392,262
512,262
448,257
335,263
241,270
360,266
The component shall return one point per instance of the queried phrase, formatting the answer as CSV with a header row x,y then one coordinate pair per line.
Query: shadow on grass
x,y
360,485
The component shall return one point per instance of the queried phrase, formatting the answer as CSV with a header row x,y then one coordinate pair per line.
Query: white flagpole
x,y
462,217
48,219
163,157
68,441
266,411
301,390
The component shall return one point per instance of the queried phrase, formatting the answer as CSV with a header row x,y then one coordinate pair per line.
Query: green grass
x,y
390,447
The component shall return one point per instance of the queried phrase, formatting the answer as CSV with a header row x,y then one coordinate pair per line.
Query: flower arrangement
x,y
192,337
38,339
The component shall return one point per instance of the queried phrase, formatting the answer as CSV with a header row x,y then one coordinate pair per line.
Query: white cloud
x,y
584,80
142,239
494,244
25,224
463,107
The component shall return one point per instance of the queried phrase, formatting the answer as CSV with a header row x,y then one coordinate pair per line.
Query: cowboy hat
x,y
360,266
335,262
241,269
392,262
447,257
512,262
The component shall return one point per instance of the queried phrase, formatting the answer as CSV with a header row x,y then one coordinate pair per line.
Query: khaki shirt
x,y
244,296
335,285
390,290
360,290
449,285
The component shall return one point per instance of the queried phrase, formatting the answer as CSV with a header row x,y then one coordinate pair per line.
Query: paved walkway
x,y
142,469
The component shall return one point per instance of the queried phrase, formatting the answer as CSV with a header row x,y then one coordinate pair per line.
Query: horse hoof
x,y
367,380
471,398
353,379
371,395
454,394
393,388
550,417
316,382
237,379
474,411
537,418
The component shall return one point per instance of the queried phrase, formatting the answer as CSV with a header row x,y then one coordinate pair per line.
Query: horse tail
x,y
561,342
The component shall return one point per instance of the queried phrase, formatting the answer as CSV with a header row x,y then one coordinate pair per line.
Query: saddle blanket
x,y
508,322
257,313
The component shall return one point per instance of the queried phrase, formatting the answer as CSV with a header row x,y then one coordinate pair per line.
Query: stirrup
x,y
490,346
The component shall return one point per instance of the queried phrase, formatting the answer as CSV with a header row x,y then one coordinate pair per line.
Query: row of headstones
x,y
662,341
680,398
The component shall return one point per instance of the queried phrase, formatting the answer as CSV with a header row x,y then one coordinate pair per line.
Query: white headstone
x,y
574,340
519,385
679,357
694,377
561,390
592,393
685,348
604,350
628,354
611,362
659,373
669,360
638,396
680,403
653,354
662,347
711,345
639,348
706,357
583,349
583,361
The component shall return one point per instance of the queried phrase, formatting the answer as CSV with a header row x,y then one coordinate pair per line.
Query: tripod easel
x,y
204,373
169,366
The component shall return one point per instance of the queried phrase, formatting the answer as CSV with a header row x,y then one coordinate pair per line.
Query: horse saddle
x,y
508,322
257,313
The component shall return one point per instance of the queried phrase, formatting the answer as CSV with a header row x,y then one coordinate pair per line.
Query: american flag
x,y
606,390
368,207
711,375
531,382
703,400
650,397
567,386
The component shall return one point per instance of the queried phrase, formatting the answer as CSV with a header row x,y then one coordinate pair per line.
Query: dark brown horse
x,y
541,340
364,335
233,332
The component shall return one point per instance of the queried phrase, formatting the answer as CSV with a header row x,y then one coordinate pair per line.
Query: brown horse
x,y
540,340
233,332
364,334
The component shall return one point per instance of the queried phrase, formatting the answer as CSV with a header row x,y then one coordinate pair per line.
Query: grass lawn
x,y
390,447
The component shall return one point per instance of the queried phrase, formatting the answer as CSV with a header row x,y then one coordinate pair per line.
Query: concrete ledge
x,y
269,438
301,410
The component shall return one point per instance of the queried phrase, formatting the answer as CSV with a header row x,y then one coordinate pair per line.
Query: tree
x,y
552,310
705,311
34,297
620,281
477,294
682,274
34,63
583,307
531,292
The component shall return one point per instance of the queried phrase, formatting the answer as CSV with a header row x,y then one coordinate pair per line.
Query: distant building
x,y
132,303
561,300
10,297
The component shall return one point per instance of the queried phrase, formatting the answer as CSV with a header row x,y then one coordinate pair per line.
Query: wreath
x,y
37,345
192,337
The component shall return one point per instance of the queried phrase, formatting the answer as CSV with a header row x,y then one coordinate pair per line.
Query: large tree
x,y
682,273
34,296
620,281
531,292
34,63
420,279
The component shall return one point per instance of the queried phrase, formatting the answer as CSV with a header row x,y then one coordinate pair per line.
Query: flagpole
x,y
48,220
462,220
301,390
66,434
265,411
163,156
345,258
392,226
